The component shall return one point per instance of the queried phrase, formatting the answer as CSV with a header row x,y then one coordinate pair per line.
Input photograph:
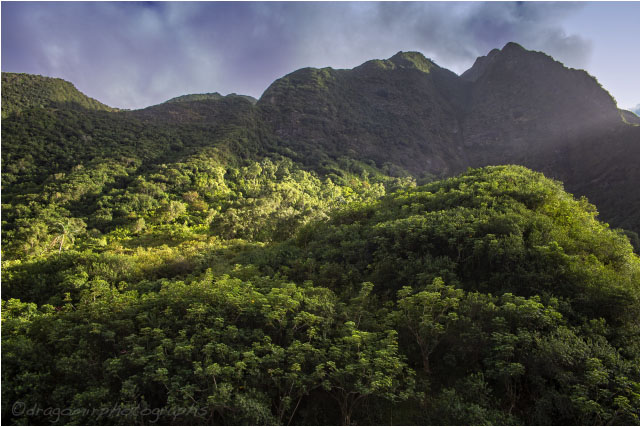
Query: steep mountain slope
x,y
44,141
525,108
523,101
401,112
401,116
105,171
23,91
512,106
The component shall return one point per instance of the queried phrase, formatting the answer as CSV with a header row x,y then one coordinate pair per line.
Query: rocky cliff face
x,y
512,106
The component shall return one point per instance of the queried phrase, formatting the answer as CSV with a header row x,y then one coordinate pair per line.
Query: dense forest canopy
x,y
195,262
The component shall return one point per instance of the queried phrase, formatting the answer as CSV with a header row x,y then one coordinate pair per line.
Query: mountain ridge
x,y
408,116
402,59
512,106
278,264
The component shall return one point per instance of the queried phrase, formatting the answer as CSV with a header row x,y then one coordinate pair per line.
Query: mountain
x,y
525,108
23,91
208,109
401,112
408,116
352,248
208,96
512,106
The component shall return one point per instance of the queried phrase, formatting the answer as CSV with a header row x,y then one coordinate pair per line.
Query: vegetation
x,y
181,265
24,91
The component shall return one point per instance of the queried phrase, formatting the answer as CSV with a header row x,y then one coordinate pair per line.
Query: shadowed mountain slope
x,y
402,116
513,106
525,108
401,112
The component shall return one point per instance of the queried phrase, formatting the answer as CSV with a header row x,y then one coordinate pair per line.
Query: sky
x,y
136,54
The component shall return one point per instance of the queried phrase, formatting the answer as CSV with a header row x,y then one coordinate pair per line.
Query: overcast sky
x,y
132,55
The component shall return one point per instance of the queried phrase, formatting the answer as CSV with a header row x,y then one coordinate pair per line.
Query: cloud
x,y
455,34
137,54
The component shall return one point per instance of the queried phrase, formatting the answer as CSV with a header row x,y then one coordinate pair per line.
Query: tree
x,y
67,229
428,314
363,364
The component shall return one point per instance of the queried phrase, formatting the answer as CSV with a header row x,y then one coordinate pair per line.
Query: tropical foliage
x,y
161,267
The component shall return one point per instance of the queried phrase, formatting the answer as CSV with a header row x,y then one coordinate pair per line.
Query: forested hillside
x,y
217,260
407,114
25,91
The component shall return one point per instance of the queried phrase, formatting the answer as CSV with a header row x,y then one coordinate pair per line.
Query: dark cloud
x,y
138,54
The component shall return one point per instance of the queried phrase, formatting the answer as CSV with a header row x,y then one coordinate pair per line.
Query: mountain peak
x,y
513,47
412,60
482,63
